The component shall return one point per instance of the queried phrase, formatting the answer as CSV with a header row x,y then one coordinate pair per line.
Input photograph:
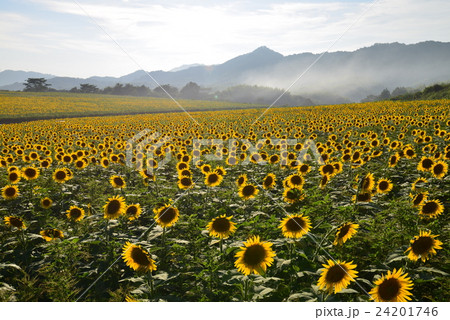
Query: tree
x,y
88,88
165,89
36,85
190,91
384,95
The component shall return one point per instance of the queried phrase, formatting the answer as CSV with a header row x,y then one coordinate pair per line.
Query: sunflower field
x,y
326,203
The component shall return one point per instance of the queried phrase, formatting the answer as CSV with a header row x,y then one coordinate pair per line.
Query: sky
x,y
82,38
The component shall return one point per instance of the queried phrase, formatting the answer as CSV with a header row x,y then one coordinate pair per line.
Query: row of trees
x,y
240,93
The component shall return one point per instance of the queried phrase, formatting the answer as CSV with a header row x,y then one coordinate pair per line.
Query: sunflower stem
x,y
163,239
221,246
150,283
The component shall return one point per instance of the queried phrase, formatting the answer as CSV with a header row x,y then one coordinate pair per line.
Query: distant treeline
x,y
436,91
192,91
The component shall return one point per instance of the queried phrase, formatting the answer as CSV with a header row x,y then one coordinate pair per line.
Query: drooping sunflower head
x,y
137,258
367,183
30,173
17,222
254,257
345,232
248,191
393,160
269,181
212,179
167,215
393,287
221,227
117,182
10,192
431,209
114,207
419,183
419,199
423,246
241,180
51,234
323,181
46,203
362,197
384,186
133,211
337,276
293,195
439,169
295,226
75,213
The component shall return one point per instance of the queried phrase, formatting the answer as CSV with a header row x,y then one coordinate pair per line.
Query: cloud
x,y
162,36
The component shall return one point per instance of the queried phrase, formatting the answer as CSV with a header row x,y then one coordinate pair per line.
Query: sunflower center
x,y
304,168
60,175
167,215
248,190
295,224
389,289
422,245
132,210
297,180
335,273
16,222
430,207
241,180
343,231
383,185
393,160
46,203
139,256
328,169
13,176
213,178
364,197
221,225
268,181
31,173
438,169
185,182
118,181
113,206
10,192
75,213
254,255
427,163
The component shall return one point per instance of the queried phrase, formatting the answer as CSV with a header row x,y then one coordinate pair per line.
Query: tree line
x,y
192,91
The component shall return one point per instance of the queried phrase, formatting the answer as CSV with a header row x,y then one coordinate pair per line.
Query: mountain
x,y
336,77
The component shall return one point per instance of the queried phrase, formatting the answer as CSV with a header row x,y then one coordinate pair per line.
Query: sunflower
x,y
431,209
393,160
367,183
384,186
293,195
17,222
221,227
425,164
254,257
14,177
10,192
327,169
323,181
345,232
248,191
166,215
205,168
423,246
114,207
75,213
185,183
46,203
137,258
419,198
241,180
51,234
213,179
133,211
295,181
439,169
304,168
61,175
220,171
30,173
393,287
295,226
362,197
117,182
337,276
419,183
269,181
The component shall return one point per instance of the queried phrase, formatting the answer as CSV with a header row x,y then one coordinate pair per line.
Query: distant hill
x,y
437,91
336,77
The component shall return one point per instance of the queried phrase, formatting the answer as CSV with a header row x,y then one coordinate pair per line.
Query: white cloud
x,y
163,36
